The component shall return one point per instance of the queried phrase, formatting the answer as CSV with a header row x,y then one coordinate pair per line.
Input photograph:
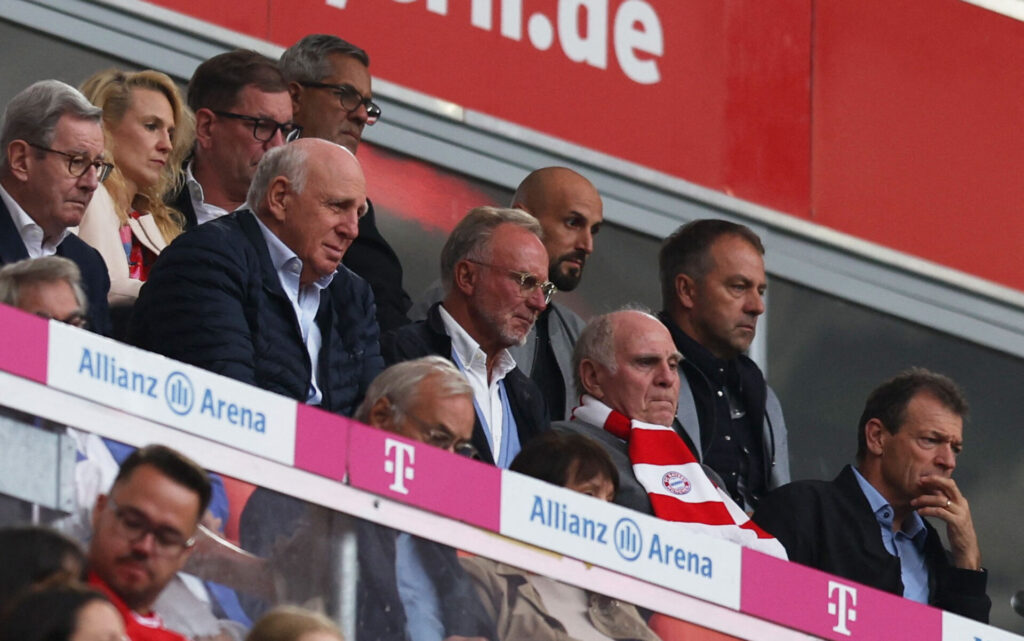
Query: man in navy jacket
x,y
51,161
260,295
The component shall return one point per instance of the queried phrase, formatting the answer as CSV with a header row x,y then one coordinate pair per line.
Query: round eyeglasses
x,y
528,283
350,99
78,164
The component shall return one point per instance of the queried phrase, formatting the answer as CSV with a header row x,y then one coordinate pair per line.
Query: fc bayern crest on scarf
x,y
676,483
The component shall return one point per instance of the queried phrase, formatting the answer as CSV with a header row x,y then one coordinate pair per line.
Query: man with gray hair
x,y
51,161
628,378
330,86
411,588
260,296
494,270
48,286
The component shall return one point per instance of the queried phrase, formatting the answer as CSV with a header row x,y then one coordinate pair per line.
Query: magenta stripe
x,y
321,442
425,476
800,597
24,341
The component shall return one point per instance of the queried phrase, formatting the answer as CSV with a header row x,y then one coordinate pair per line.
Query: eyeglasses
x,y
263,129
78,164
350,99
441,437
133,525
75,318
528,283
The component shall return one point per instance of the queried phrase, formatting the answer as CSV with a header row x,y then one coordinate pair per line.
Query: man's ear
x,y
18,159
875,436
464,278
101,504
295,91
204,124
686,291
589,378
380,414
277,198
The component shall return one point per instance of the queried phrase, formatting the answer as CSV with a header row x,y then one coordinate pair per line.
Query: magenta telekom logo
x,y
399,459
842,606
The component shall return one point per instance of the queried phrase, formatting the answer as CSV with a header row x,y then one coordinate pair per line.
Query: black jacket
x,y
427,337
830,526
370,257
95,278
213,299
380,613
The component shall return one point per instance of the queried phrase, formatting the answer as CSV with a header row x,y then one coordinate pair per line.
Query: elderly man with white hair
x,y
260,295
627,372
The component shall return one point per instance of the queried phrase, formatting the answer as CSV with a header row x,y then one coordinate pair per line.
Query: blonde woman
x,y
149,131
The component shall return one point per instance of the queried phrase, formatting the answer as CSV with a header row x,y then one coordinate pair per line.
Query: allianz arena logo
x,y
629,540
179,393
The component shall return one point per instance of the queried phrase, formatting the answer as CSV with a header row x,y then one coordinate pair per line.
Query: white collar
x,y
469,351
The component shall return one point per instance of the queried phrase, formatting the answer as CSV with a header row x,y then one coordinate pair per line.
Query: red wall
x,y
897,121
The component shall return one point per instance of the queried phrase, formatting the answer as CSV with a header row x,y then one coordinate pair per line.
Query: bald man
x,y
570,213
261,296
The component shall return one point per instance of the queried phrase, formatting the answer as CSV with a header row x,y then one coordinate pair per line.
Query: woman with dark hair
x,y
524,605
62,613
32,556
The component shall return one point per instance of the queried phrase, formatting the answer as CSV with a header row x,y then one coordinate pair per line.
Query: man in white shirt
x,y
494,269
51,162
242,110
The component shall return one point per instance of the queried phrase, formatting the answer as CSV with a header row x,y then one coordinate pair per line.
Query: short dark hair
x,y
306,60
48,614
888,402
216,82
30,555
552,455
687,250
172,464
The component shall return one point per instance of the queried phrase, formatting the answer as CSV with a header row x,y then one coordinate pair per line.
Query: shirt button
x,y
886,514
728,438
720,393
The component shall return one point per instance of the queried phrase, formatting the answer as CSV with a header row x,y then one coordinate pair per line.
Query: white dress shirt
x,y
31,233
474,366
205,212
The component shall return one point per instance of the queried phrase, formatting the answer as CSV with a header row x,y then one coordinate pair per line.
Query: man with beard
x,y
144,531
493,269
570,212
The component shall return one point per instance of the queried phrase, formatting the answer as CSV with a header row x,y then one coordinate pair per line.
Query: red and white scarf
x,y
675,482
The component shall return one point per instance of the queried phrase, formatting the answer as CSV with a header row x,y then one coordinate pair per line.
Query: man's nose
x,y
585,241
945,457
755,303
537,300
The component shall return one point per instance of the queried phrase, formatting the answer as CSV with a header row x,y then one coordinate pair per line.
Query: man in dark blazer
x,y
494,269
330,86
51,161
260,296
407,583
867,525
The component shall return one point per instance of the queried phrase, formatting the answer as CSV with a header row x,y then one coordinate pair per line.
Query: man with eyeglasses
x,y
51,161
411,588
260,296
330,86
48,286
494,270
144,531
242,110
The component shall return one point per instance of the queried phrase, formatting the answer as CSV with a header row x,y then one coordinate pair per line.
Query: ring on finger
x,y
947,503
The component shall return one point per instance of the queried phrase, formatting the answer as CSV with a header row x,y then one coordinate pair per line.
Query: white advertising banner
x,y
613,537
169,392
958,628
